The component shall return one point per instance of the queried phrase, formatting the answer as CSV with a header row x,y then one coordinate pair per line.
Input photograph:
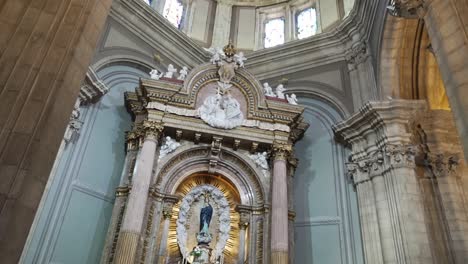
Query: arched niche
x,y
235,168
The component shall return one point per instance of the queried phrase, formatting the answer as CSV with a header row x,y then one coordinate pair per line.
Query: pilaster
x,y
383,169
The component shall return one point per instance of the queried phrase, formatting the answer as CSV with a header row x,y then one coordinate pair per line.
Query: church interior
x,y
234,131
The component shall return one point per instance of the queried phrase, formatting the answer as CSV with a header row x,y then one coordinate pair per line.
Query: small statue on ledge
x,y
292,99
280,91
183,73
154,74
170,71
268,90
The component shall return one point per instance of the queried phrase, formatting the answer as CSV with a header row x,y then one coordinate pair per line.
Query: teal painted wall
x,y
76,207
326,224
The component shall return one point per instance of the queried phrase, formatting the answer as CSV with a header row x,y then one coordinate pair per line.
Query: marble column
x,y
279,204
121,195
167,214
135,210
222,24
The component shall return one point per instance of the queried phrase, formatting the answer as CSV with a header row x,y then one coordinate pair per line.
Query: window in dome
x,y
148,1
274,32
306,23
173,11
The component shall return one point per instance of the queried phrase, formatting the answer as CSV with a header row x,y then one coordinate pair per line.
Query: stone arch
x,y
322,92
408,67
232,166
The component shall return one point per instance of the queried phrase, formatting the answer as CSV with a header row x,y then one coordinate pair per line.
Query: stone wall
x,y
45,49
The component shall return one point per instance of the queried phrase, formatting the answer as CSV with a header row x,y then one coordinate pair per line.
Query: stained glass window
x,y
274,32
148,1
306,23
173,11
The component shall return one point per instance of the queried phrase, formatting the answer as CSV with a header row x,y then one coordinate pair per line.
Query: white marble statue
x,y
155,75
170,71
261,160
240,58
217,54
183,73
169,146
280,91
268,90
292,99
221,110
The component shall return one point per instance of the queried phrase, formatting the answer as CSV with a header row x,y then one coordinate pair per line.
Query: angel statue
x,y
216,54
183,73
280,91
292,99
154,74
240,58
170,71
268,90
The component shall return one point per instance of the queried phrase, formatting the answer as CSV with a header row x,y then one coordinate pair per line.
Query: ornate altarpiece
x,y
210,131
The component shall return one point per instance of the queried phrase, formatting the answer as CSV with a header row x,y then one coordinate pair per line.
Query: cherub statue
x,y
183,73
154,74
260,159
280,91
170,71
240,58
217,54
268,90
292,99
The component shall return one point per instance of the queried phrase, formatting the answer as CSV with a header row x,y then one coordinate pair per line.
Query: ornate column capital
x,y
442,165
152,129
401,155
281,151
244,216
168,205
365,168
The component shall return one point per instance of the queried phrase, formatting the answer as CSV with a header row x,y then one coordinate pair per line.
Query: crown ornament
x,y
229,49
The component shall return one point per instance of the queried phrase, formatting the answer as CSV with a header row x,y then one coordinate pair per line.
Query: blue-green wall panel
x,y
326,226
72,221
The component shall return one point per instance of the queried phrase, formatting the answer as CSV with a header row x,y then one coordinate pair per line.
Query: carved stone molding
x,y
357,54
407,8
92,88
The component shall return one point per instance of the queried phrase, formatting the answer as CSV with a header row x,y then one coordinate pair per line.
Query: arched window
x,y
173,11
306,22
274,32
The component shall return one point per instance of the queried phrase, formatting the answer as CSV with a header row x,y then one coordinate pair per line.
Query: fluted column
x,y
279,204
167,214
136,204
